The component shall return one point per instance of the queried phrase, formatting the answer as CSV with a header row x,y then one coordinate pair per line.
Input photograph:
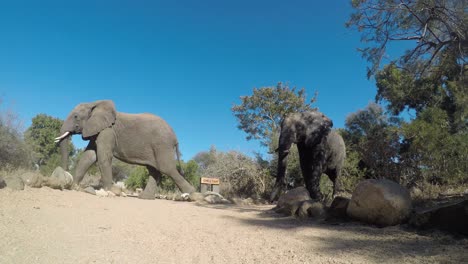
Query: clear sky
x,y
186,61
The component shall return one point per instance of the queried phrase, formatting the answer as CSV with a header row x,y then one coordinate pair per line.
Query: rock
x,y
291,201
111,194
452,217
89,190
102,193
337,209
213,199
178,197
310,209
298,194
380,202
14,183
90,180
185,196
32,179
115,189
196,196
60,179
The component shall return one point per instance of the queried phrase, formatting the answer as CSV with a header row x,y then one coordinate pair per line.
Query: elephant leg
x,y
280,176
311,171
167,166
105,146
334,176
87,159
151,185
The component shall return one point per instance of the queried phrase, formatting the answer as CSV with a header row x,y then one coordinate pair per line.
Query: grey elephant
x,y
142,139
321,150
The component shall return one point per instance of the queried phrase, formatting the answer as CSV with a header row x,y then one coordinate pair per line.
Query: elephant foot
x,y
147,196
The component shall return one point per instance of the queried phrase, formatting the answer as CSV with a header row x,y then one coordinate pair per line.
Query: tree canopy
x,y
40,136
260,114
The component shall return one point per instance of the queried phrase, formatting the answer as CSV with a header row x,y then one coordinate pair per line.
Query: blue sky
x,y
186,61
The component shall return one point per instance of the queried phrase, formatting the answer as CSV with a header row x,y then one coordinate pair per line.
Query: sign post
x,y
209,184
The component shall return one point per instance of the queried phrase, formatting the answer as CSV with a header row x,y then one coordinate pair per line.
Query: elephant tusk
x,y
58,139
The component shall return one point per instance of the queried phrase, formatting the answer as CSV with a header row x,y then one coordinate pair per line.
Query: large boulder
x,y
60,179
32,179
380,202
452,217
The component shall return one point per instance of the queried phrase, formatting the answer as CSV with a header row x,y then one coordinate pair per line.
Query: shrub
x,y
240,175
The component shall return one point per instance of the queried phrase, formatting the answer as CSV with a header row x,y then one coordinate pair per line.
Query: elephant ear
x,y
102,116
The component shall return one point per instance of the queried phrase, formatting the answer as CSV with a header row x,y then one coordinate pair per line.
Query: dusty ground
x,y
51,226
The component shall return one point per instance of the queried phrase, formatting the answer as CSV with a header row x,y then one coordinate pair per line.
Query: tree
x,y
438,30
14,152
40,136
260,114
433,72
375,137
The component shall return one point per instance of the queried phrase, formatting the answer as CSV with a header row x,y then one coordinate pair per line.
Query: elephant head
x,y
87,119
307,128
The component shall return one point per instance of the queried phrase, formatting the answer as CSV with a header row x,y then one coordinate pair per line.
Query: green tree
x,y
260,114
436,30
433,152
40,137
433,71
376,139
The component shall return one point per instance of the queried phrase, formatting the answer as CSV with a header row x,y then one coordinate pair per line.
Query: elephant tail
x,y
179,168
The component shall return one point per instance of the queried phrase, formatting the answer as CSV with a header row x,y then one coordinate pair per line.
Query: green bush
x,y
137,178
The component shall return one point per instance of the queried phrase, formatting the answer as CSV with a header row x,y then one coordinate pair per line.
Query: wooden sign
x,y
213,181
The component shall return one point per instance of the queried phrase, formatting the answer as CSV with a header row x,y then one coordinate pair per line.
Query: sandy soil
x,y
51,226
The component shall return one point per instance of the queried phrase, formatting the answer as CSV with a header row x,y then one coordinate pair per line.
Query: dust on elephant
x,y
321,150
142,139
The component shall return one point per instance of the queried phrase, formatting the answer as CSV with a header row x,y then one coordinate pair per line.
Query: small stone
x,y
90,190
196,196
102,193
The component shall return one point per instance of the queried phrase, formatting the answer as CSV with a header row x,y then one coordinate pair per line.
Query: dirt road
x,y
51,226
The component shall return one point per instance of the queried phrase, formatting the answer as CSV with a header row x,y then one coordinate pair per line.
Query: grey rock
x,y
102,193
2,183
90,180
213,199
89,190
32,179
196,197
60,179
380,202
14,183
298,194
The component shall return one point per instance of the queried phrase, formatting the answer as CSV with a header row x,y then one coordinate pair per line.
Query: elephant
x,y
142,139
321,150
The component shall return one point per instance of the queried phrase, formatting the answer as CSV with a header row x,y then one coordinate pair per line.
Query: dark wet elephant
x,y
321,150
142,139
